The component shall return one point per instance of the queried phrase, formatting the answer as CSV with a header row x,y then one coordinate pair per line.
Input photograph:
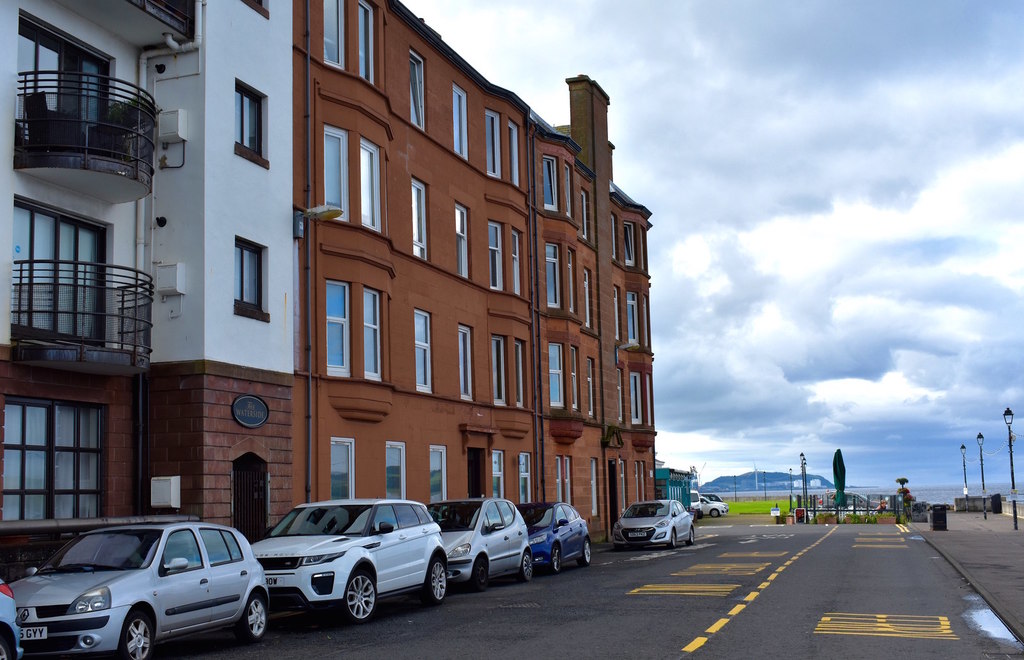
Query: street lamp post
x,y
981,456
963,457
764,482
803,479
790,489
1008,418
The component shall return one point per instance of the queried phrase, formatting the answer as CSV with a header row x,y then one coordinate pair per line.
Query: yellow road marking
x,y
736,610
881,539
754,554
694,645
722,569
885,625
876,545
716,626
752,595
686,589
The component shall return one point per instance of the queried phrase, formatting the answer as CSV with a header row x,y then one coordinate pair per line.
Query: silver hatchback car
x,y
653,522
122,589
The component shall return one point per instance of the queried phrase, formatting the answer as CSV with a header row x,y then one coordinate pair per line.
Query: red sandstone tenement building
x,y
479,317
172,311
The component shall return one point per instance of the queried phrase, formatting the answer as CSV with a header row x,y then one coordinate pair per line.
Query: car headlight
x,y
460,551
313,560
91,601
537,539
662,523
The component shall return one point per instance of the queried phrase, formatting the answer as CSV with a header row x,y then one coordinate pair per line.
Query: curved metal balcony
x,y
81,316
90,133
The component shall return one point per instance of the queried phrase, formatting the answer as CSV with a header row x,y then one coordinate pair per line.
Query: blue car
x,y
557,534
10,635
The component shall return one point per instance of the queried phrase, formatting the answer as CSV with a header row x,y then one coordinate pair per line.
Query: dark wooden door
x,y
249,496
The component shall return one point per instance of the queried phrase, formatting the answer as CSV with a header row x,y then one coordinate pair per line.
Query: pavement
x,y
988,553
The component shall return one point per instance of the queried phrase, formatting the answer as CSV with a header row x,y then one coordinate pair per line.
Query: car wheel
x,y
136,637
435,585
584,559
360,597
481,574
715,513
556,558
672,539
252,624
525,567
5,649
690,536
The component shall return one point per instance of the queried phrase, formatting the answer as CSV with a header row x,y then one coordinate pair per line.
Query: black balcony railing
x,y
81,303
84,121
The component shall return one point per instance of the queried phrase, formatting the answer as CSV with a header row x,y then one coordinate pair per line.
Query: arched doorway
x,y
249,486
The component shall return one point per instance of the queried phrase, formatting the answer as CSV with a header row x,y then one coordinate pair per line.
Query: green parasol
x,y
839,473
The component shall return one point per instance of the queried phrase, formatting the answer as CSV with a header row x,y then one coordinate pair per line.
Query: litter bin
x,y
997,503
939,517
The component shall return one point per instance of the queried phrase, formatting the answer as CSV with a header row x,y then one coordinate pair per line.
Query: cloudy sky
x,y
837,192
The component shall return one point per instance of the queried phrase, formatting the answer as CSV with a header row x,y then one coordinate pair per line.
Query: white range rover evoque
x,y
350,553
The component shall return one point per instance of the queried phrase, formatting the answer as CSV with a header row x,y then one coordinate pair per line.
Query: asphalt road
x,y
849,591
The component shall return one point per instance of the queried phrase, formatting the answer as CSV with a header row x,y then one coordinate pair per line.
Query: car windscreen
x,y
455,516
106,551
537,515
329,519
646,510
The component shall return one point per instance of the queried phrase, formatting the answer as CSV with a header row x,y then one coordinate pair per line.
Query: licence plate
x,y
271,581
636,535
36,632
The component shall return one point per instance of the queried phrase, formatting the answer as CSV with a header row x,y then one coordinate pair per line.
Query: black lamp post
x,y
803,480
1008,418
790,489
963,458
764,482
981,456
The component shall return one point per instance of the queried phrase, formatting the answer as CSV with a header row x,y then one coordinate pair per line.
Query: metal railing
x,y
82,302
66,112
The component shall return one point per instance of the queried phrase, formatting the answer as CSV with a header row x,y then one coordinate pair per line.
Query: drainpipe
x,y
307,238
538,392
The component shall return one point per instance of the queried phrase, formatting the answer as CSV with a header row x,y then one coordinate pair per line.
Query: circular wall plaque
x,y
250,411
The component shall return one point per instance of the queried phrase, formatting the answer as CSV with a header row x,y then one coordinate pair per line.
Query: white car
x,y
10,634
712,508
484,538
653,522
123,589
350,553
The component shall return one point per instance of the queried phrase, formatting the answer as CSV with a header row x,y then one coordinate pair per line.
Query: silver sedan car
x,y
122,589
653,522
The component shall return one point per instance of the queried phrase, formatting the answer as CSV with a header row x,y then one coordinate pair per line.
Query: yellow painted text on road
x,y
885,625
686,589
722,569
754,554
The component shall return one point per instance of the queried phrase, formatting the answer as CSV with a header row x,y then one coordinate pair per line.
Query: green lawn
x,y
757,507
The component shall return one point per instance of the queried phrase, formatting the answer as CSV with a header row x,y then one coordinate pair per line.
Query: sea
x,y
931,494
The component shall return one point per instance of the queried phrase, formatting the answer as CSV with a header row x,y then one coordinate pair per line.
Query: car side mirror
x,y
561,521
176,565
385,528
30,571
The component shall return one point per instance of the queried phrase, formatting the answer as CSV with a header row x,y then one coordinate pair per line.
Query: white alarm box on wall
x,y
165,492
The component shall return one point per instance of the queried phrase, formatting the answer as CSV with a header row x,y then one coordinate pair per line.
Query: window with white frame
x,y
635,404
570,279
558,479
365,41
513,153
574,386
524,478
421,331
622,481
631,319
590,386
461,241
438,473
516,240
465,362
587,318
343,468
551,270
459,121
593,486
334,32
645,319
567,479
371,334
492,135
416,89
649,409
519,348
369,178
498,369
628,244
336,169
336,295
638,478
419,219
618,391
497,473
549,172
394,470
585,213
615,237
643,480
557,396
567,189
494,254
618,313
